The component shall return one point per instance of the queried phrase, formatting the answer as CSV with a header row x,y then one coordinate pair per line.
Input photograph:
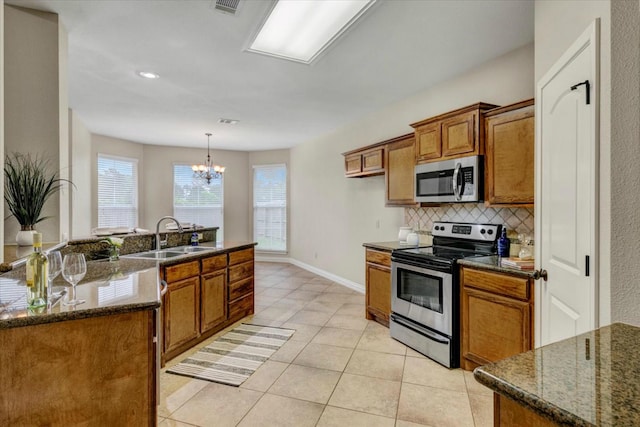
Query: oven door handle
x,y
456,187
422,331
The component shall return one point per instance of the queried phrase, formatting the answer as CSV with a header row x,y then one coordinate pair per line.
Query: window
x,y
117,191
270,207
197,202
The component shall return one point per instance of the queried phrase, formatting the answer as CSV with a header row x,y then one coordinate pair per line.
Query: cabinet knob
x,y
540,274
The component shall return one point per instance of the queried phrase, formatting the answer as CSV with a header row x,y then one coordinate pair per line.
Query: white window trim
x,y
270,165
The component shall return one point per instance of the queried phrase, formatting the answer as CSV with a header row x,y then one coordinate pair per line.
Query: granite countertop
x,y
493,263
386,246
588,380
108,287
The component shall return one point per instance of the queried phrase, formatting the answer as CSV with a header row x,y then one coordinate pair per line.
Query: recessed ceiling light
x,y
300,30
228,121
148,75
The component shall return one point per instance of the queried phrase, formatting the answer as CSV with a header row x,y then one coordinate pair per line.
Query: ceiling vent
x,y
228,121
227,6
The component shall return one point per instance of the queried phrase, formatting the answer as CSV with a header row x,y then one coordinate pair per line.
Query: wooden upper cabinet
x,y
428,145
400,176
510,153
367,161
454,134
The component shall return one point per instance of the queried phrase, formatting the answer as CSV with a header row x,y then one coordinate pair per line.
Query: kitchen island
x,y
587,380
97,363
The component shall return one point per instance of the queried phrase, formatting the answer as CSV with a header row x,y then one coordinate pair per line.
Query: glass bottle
x,y
37,275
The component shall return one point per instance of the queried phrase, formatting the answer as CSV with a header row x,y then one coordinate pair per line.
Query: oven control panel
x,y
470,231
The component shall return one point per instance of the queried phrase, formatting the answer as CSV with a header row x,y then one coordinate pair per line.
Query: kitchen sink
x,y
189,249
155,255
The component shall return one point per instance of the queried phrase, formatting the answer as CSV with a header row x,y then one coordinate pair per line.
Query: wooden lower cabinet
x,y
96,371
508,413
378,286
204,296
496,316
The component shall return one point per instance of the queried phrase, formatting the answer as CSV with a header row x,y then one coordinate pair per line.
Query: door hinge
x,y
586,265
588,85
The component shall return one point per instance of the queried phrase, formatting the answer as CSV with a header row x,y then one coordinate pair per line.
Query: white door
x,y
566,192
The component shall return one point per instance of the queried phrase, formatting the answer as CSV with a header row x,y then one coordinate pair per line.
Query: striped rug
x,y
233,357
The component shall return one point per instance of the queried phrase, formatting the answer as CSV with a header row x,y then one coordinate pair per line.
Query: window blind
x,y
117,191
196,201
270,207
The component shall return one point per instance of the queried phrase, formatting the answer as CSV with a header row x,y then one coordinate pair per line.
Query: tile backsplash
x,y
518,219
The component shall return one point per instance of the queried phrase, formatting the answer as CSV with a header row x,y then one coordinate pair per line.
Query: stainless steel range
x,y
425,288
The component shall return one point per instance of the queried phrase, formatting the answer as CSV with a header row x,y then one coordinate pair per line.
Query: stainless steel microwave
x,y
454,181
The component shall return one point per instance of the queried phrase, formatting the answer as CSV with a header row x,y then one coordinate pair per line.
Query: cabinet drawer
x,y
241,307
239,272
240,256
378,257
516,287
214,263
241,288
181,271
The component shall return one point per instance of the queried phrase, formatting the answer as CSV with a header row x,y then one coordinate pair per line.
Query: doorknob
x,y
540,274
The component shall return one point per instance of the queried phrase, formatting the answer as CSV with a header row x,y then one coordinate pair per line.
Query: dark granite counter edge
x,y
530,401
484,265
75,315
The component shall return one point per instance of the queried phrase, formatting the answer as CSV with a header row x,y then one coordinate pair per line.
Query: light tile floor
x,y
338,369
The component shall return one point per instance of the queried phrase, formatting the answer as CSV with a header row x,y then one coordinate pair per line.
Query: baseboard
x,y
341,280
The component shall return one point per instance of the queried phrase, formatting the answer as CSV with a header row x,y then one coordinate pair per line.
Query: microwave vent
x,y
227,6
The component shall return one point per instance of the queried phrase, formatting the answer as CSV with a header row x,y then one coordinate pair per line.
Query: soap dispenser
x,y
503,244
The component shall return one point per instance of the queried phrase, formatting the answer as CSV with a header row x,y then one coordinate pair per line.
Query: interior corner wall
x,y
270,157
157,176
80,175
557,25
31,98
2,123
332,216
625,158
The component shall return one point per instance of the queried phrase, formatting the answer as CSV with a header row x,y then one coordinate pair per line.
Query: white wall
x,y
332,216
625,158
271,157
80,172
32,99
157,176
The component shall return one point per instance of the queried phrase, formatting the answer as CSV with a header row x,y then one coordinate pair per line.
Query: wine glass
x,y
54,268
74,267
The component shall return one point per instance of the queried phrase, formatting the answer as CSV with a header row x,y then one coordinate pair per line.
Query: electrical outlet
x,y
199,236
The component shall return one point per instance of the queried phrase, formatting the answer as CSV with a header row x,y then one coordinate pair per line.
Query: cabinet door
x,y
213,298
378,292
353,164
428,142
458,135
400,176
373,160
181,312
493,327
510,157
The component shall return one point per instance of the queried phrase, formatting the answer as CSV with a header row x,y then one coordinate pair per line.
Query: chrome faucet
x,y
160,243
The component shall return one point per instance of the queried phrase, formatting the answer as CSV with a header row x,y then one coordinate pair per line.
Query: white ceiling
x,y
398,48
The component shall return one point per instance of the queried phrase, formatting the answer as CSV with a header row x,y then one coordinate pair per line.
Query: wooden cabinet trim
x,y
378,257
482,106
499,283
181,271
237,257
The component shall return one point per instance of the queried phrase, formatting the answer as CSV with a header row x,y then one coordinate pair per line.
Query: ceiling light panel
x,y
299,30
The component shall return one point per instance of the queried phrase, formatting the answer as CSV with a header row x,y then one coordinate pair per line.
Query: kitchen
x,y
331,242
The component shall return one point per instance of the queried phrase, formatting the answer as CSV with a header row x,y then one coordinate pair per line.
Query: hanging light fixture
x,y
207,171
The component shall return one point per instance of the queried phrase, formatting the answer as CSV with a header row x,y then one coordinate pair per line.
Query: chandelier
x,y
207,171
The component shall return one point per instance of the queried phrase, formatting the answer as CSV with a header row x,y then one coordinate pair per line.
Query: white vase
x,y
25,237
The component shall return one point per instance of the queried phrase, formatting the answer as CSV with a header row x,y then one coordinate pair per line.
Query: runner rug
x,y
233,357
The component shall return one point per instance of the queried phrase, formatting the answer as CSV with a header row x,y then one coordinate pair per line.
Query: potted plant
x,y
28,184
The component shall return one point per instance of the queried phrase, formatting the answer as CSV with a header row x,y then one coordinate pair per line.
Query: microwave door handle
x,y
456,187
